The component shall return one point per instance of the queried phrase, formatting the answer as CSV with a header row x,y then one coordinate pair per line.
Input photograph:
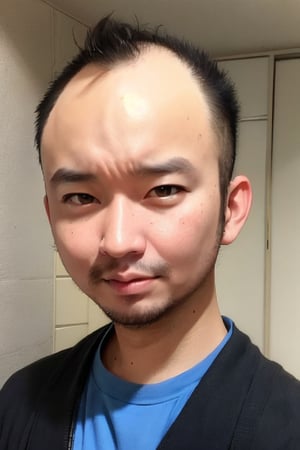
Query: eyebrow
x,y
64,175
172,165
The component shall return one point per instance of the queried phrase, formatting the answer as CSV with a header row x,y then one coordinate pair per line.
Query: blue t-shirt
x,y
115,414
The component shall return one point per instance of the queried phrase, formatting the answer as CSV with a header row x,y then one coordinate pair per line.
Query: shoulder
x,y
31,379
284,389
279,425
272,406
51,380
51,367
269,378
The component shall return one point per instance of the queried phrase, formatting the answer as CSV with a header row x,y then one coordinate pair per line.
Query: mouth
x,y
130,285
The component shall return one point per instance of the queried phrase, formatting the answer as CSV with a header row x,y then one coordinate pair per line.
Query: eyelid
x,y
166,186
67,198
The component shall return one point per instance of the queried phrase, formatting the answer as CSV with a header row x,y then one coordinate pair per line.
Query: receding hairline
x,y
143,48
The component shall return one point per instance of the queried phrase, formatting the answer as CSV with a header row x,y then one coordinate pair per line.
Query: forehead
x,y
154,70
152,99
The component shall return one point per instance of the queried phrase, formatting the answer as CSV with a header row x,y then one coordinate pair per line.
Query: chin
x,y
138,319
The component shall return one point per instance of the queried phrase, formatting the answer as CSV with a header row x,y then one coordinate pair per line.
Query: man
x,y
136,140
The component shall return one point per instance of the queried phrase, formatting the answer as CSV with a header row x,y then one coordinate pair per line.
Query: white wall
x,y
35,40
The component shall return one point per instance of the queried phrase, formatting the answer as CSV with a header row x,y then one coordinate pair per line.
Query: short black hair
x,y
111,42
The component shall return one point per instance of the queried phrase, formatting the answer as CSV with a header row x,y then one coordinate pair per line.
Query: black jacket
x,y
243,402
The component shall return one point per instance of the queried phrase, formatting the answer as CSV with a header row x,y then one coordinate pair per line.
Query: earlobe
x,y
237,209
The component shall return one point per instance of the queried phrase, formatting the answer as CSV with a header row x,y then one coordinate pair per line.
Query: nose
x,y
122,233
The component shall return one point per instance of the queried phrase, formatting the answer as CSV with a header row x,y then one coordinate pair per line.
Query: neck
x,y
168,347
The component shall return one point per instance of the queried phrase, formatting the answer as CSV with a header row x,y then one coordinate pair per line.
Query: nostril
x,y
111,246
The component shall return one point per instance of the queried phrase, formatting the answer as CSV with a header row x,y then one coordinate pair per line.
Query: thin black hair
x,y
111,42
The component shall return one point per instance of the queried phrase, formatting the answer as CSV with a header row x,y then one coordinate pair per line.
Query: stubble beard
x,y
159,309
132,318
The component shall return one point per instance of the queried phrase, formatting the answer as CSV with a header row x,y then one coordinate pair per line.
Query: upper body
x,y
243,402
137,145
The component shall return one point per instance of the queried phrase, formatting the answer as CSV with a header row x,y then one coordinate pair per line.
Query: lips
x,y
126,278
132,284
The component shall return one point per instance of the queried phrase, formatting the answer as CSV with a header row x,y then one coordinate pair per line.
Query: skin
x,y
130,163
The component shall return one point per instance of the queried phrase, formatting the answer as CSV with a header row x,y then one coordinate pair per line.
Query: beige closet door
x,y
285,242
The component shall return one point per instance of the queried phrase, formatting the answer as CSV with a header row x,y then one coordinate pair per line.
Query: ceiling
x,y
223,27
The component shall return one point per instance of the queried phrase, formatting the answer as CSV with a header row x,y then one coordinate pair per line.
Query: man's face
x,y
130,161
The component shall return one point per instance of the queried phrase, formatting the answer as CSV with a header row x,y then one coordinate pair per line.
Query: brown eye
x,y
165,190
79,199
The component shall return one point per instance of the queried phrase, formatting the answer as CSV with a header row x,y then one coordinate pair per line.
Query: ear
x,y
237,208
47,209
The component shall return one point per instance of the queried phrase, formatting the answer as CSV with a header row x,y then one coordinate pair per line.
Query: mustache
x,y
98,272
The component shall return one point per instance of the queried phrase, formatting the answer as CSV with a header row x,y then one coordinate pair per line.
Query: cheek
x,y
184,237
74,242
